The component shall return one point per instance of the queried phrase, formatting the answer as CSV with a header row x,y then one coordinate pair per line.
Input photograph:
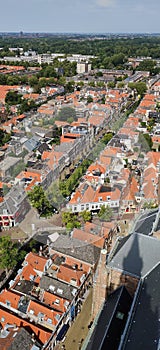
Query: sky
x,y
80,16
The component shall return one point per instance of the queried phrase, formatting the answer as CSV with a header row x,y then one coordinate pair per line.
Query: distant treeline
x,y
110,52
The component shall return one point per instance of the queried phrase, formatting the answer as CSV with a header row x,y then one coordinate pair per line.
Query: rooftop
x,y
144,326
57,287
77,249
135,254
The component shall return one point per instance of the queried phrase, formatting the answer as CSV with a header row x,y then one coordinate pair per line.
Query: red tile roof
x,y
36,261
89,238
8,296
40,309
7,318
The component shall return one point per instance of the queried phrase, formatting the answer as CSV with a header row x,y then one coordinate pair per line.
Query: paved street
x,y
33,223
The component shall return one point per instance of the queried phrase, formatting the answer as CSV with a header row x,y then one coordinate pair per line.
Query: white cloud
x,y
105,3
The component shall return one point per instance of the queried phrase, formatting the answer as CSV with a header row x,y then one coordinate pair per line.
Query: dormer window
x,y
56,301
100,199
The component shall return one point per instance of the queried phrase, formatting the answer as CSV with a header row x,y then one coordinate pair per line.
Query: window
x,y
73,281
57,301
100,199
75,208
8,303
60,291
120,315
41,316
2,319
108,198
57,317
82,207
31,312
49,320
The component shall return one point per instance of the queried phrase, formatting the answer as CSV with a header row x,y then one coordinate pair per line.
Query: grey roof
x,y
8,162
143,329
58,288
24,286
13,199
43,147
135,254
145,222
32,143
77,249
16,340
64,147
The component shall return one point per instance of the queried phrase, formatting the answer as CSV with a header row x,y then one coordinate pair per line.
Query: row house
x,y
150,180
29,179
13,337
87,237
15,321
95,173
91,198
130,198
129,137
46,292
14,207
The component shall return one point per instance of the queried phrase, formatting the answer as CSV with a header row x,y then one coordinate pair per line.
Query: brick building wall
x,y
116,279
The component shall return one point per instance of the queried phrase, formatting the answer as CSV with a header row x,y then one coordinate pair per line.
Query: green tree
x,y
89,99
111,84
54,195
86,215
13,80
120,85
33,81
8,253
105,213
147,65
70,86
107,137
146,142
70,220
13,98
62,81
118,59
65,113
4,137
40,201
140,87
3,79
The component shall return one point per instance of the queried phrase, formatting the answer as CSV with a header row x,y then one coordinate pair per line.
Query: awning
x,y
63,331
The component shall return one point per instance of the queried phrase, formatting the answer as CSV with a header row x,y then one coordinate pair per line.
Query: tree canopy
x,y
4,137
140,87
40,201
8,253
66,113
105,213
13,98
